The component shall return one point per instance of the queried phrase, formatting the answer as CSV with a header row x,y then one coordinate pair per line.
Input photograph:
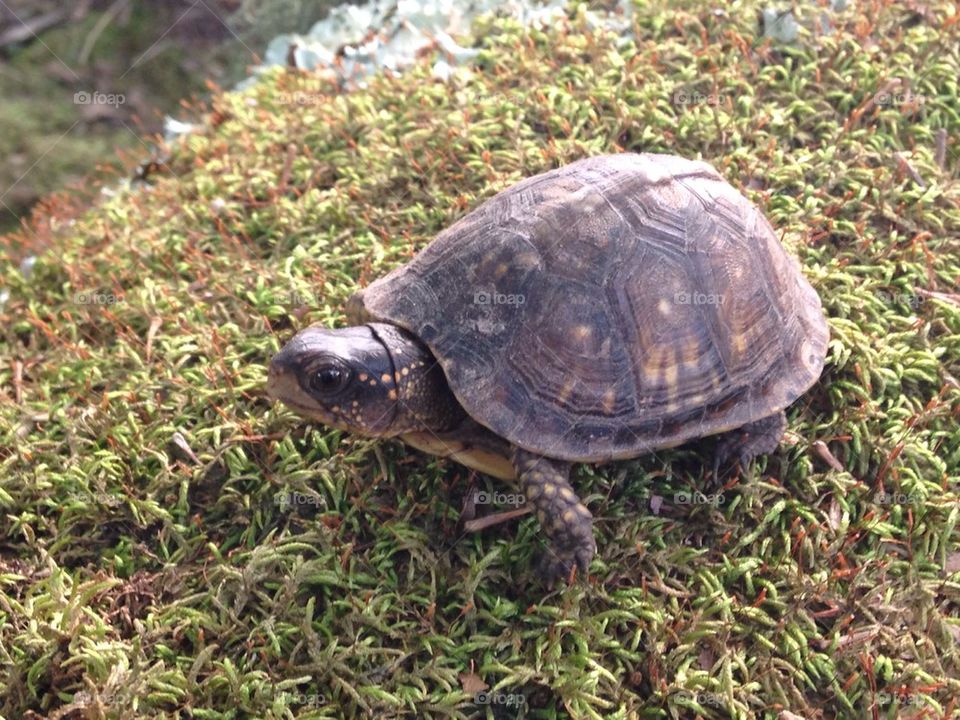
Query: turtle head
x,y
373,379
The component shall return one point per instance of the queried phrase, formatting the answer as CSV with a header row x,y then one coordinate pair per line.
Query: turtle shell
x,y
611,307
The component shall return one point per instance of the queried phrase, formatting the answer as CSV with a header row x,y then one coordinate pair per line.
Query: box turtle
x,y
609,308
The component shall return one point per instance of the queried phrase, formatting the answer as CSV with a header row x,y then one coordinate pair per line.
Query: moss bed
x,y
172,545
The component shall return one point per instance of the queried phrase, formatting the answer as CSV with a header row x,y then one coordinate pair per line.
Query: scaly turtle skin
x,y
612,307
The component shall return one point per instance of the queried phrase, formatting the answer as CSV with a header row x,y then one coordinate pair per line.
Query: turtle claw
x,y
564,519
718,460
565,564
756,438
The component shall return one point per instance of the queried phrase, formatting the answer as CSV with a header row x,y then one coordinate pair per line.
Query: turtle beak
x,y
283,385
283,377
279,379
282,382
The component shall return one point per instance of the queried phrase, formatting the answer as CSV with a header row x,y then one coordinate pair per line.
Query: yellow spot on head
x,y
396,378
373,382
392,394
569,516
362,377
549,489
335,408
385,378
568,494
582,332
405,371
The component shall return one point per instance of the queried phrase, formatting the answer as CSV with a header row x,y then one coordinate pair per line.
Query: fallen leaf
x,y
706,659
821,450
834,515
472,684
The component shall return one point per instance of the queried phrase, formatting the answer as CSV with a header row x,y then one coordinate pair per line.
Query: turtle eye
x,y
329,379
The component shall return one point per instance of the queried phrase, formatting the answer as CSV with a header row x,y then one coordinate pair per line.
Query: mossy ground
x,y
148,569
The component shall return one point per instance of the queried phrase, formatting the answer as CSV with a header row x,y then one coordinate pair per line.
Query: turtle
x,y
612,307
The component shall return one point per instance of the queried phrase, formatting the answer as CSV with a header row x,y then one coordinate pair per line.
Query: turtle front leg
x,y
756,438
568,524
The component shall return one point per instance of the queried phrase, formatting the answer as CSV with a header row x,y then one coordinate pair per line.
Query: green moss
x,y
148,562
